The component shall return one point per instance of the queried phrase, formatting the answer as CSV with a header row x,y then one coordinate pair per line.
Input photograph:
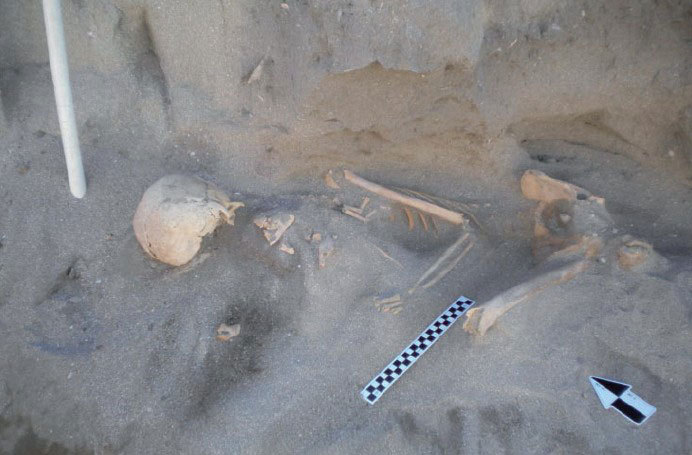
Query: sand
x,y
106,351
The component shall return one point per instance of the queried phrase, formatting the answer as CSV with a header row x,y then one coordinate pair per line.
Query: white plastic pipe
x,y
60,73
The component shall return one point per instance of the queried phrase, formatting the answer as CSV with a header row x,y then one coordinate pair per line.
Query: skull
x,y
176,212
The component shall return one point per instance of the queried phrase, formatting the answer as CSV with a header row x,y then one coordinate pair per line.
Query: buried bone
x,y
274,227
480,319
329,180
554,239
567,227
538,186
418,204
633,253
444,264
286,248
391,304
176,212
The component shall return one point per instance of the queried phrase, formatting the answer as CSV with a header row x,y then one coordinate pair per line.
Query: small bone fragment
x,y
449,252
388,304
286,249
465,209
356,210
352,209
633,253
351,212
450,266
418,204
225,332
480,319
391,299
587,246
423,220
393,308
384,253
314,237
256,73
409,218
538,186
434,223
274,227
329,180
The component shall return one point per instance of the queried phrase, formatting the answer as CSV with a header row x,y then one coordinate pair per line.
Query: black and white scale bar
x,y
374,390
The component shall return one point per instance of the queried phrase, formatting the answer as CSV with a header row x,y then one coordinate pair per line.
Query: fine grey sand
x,y
106,351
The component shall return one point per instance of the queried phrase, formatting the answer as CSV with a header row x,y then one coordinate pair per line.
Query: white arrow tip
x,y
606,397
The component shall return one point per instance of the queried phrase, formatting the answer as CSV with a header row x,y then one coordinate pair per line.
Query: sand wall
x,y
614,75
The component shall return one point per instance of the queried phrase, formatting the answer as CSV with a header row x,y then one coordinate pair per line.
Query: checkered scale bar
x,y
373,391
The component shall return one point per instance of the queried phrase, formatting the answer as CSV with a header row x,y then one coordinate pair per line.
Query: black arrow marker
x,y
619,396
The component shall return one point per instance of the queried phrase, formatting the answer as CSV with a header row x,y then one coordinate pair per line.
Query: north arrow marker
x,y
614,394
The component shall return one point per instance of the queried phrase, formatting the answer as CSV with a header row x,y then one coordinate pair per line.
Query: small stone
x,y
565,218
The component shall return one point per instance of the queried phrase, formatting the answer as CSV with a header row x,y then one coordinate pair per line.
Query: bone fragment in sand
x,y
329,180
444,264
274,227
480,319
418,204
538,186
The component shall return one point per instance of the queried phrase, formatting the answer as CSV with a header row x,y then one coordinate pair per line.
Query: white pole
x,y
63,96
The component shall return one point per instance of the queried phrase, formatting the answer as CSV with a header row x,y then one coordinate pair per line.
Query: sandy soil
x,y
106,351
